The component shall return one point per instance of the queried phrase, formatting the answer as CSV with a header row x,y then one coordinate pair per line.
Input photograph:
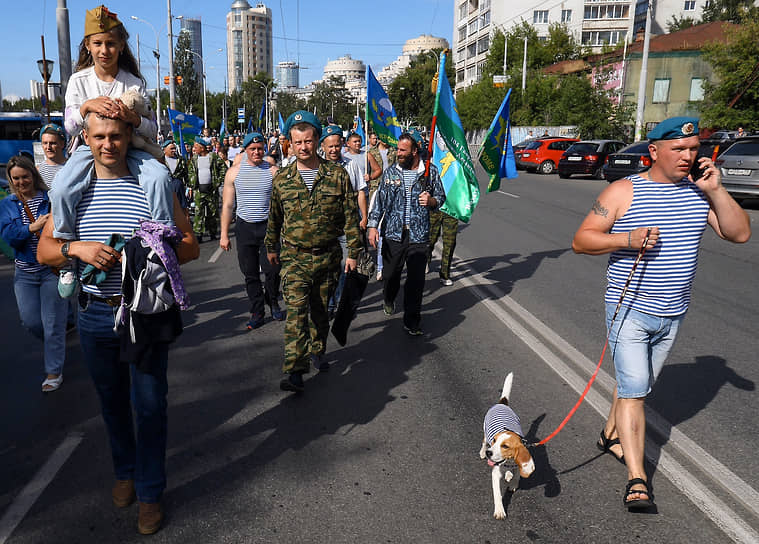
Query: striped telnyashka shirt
x,y
253,191
110,206
501,418
48,172
34,205
661,284
309,176
409,177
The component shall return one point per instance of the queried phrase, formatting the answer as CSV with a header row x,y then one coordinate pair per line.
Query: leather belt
x,y
85,298
321,250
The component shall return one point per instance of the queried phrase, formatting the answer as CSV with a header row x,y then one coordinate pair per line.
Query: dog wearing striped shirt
x,y
502,443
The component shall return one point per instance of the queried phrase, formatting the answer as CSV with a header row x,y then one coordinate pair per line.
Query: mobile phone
x,y
696,172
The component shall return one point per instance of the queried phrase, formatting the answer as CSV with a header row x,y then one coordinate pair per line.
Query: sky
x,y
368,30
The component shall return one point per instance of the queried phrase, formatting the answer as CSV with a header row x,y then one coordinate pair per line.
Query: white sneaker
x,y
379,275
427,269
446,281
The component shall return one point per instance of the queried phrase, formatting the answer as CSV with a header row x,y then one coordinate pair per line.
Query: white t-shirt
x,y
232,152
85,85
360,161
204,170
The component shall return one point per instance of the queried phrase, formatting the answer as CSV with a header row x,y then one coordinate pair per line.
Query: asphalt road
x,y
384,448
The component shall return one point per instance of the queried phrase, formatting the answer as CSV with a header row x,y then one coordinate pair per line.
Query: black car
x,y
587,157
632,159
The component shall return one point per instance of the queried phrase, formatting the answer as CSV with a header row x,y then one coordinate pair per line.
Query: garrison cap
x,y
99,20
331,130
674,128
252,138
167,142
302,116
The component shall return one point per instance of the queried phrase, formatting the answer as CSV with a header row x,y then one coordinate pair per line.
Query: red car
x,y
543,155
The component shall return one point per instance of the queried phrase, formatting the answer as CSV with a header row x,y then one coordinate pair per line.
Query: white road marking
x,y
31,492
508,194
715,509
216,255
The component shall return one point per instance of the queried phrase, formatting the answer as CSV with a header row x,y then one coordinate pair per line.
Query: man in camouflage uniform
x,y
206,171
312,204
450,226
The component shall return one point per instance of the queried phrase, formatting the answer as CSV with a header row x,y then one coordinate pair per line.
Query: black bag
x,y
205,188
353,291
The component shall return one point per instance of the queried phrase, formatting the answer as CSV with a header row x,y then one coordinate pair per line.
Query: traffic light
x,y
165,80
177,80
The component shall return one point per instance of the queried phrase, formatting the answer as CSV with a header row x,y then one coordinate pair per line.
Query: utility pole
x,y
505,52
643,77
139,60
157,55
172,88
524,66
64,44
203,70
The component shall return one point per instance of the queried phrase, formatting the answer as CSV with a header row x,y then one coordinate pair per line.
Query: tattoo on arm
x,y
598,209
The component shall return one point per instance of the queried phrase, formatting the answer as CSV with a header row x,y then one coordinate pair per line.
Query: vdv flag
x,y
250,125
261,116
497,155
380,111
281,123
451,153
185,127
360,130
223,129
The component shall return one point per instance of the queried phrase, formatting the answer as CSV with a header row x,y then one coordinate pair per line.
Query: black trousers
x,y
251,255
414,256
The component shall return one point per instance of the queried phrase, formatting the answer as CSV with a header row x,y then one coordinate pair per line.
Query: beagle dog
x,y
503,442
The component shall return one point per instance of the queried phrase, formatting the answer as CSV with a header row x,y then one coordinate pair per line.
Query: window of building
x,y
471,51
690,5
483,44
459,76
471,73
473,27
462,34
607,12
566,16
661,91
601,37
540,16
480,68
462,10
485,19
696,89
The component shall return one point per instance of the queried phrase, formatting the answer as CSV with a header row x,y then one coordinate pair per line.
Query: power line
x,y
282,17
320,42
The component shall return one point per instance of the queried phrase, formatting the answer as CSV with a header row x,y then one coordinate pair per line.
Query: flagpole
x,y
441,66
366,123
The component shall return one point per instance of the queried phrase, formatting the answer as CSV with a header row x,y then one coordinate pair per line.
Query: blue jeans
x,y
639,345
140,457
43,313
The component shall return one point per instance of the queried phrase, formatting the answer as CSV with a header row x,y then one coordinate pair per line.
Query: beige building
x,y
249,42
352,72
411,49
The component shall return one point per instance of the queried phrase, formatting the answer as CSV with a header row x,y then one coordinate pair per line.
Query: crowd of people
x,y
304,204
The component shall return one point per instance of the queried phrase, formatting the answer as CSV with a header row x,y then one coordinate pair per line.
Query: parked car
x,y
739,166
543,154
518,148
714,147
632,159
587,157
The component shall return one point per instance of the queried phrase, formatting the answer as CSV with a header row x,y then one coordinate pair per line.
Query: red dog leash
x,y
641,252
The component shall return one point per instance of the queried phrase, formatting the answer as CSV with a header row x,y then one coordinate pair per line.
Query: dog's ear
x,y
524,460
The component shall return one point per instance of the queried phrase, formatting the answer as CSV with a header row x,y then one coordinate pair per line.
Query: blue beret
x,y
302,116
331,130
167,142
52,128
252,138
202,141
674,128
415,134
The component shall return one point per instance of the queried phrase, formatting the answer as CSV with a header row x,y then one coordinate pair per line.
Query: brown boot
x,y
123,493
150,517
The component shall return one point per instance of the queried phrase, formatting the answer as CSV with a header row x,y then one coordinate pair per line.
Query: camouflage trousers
x,y
308,282
206,213
450,227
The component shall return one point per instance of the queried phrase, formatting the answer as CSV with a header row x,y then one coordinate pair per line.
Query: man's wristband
x,y
629,239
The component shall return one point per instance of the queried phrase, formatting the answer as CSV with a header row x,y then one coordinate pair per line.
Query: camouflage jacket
x,y
181,172
218,170
313,219
390,204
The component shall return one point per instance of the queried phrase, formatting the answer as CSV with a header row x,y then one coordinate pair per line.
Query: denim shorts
x,y
639,345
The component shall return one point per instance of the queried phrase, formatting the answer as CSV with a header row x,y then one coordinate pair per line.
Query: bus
x,y
19,131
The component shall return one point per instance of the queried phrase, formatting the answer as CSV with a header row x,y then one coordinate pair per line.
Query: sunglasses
x,y
50,127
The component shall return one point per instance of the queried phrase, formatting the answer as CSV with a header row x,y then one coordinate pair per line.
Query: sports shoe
x,y
379,275
319,363
67,283
446,281
256,320
293,382
123,493
277,313
149,518
388,308
427,268
413,331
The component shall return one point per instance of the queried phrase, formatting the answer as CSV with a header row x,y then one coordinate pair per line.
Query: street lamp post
x,y
266,101
46,67
157,55
203,69
172,88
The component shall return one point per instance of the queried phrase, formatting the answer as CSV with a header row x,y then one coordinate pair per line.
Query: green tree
x,y
251,97
411,92
680,23
331,98
734,11
734,65
288,103
190,91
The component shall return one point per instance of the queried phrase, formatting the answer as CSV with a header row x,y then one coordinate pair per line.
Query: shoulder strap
x,y
29,214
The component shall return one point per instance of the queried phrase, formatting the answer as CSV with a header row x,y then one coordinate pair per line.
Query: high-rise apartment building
x,y
287,74
592,22
194,30
249,42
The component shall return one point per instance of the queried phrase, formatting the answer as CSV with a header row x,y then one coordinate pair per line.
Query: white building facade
x,y
249,42
352,72
287,75
411,49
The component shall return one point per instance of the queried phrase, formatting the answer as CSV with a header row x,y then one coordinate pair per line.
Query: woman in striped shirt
x,y
43,312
